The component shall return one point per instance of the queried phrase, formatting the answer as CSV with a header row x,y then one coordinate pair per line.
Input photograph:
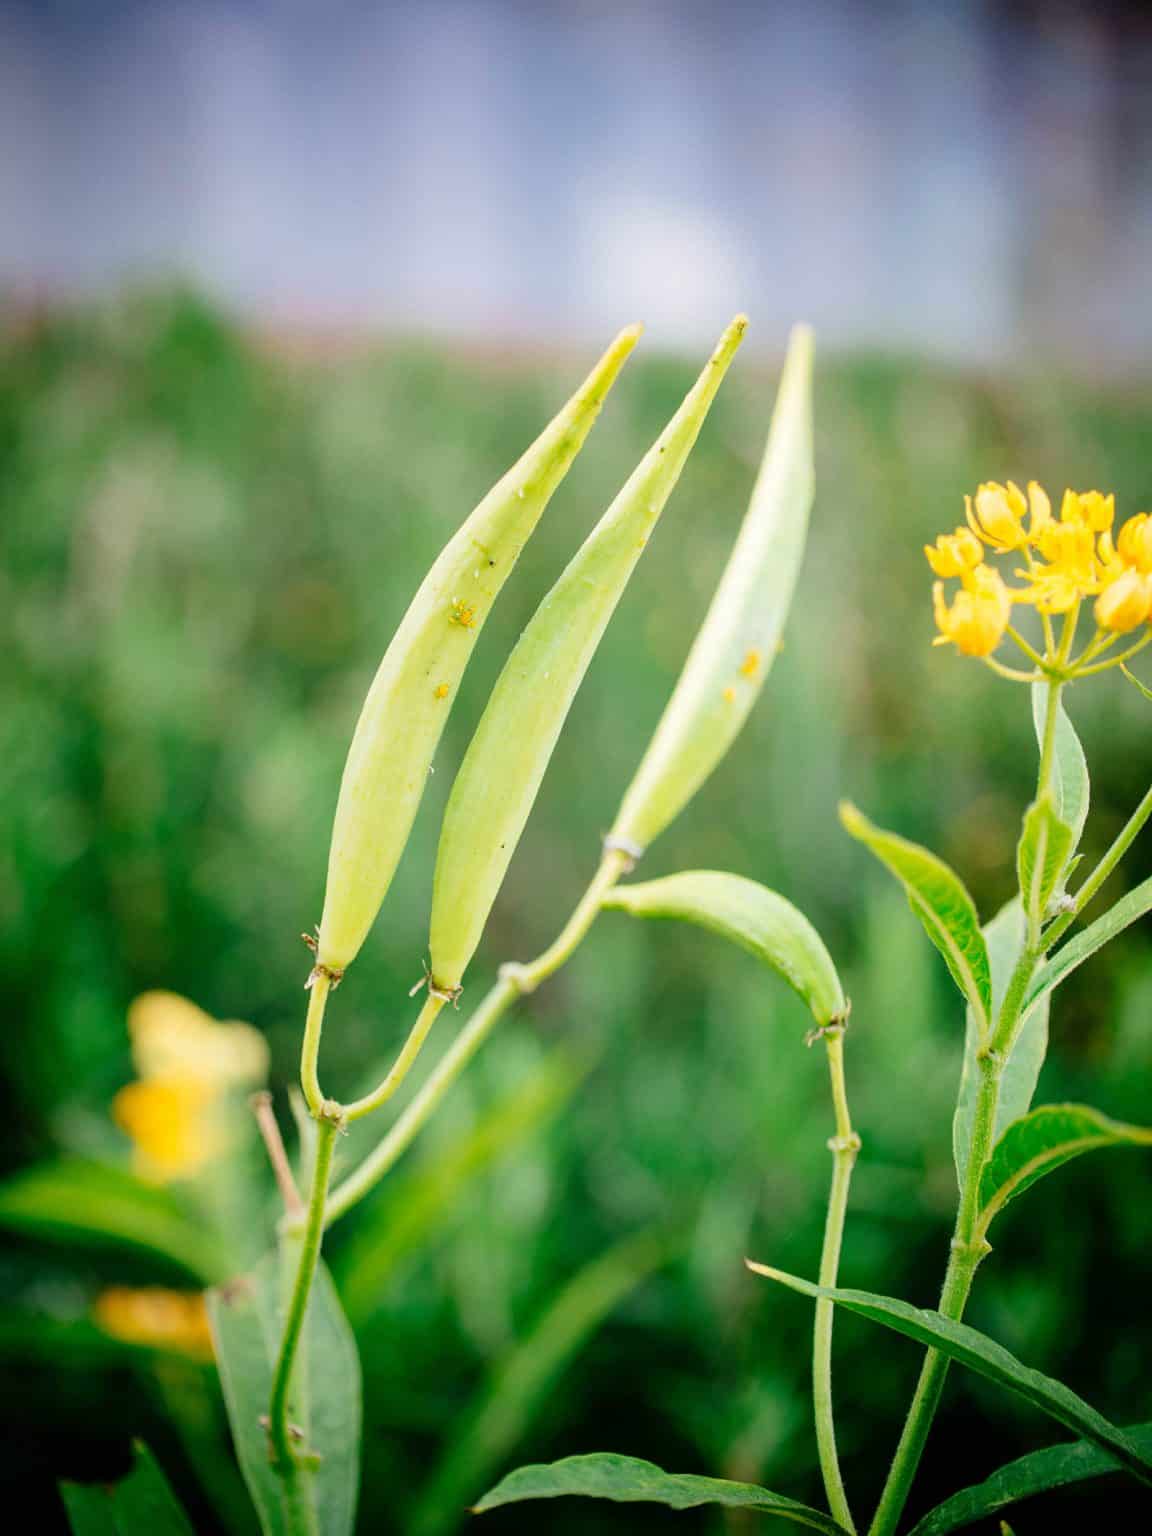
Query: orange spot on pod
x,y
441,691
751,664
729,695
463,614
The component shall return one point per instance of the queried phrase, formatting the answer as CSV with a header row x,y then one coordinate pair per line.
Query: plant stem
x,y
844,1146
280,1434
403,1063
1048,745
319,985
514,980
967,1251
1124,840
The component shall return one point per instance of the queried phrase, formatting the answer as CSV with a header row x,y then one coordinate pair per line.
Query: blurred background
x,y
286,287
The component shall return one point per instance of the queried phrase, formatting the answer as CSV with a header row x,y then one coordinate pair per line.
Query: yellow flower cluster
x,y
1064,560
156,1317
188,1066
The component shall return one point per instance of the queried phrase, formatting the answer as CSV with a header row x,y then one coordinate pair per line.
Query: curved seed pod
x,y
738,640
412,692
509,753
752,916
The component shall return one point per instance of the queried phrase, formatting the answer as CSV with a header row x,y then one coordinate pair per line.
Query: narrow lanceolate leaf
x,y
752,916
1005,936
1041,857
414,688
625,1480
1070,786
941,902
247,1325
1056,1467
141,1504
1126,911
740,636
507,758
1041,1142
981,1354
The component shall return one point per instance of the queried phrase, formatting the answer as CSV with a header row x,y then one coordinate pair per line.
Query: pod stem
x,y
514,981
284,1437
319,985
845,1147
403,1063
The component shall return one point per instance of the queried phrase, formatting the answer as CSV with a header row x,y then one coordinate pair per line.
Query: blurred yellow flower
x,y
1088,509
978,616
954,553
162,1319
188,1065
1134,545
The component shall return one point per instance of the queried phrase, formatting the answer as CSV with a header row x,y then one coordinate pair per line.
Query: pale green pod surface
x,y
748,914
739,638
507,757
413,690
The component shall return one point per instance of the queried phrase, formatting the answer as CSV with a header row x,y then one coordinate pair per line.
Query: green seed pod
x,y
412,692
738,641
507,757
752,916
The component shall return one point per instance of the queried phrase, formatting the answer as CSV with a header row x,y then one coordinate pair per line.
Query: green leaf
x,y
1055,1467
1005,937
737,643
981,1354
1043,1140
141,1504
1060,965
625,1480
1041,857
505,1409
748,914
1070,786
77,1200
246,1325
941,902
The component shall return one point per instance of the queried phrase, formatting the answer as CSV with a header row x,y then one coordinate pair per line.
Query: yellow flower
x,y
1088,509
978,616
1125,602
1134,546
163,1319
996,515
1041,509
188,1065
954,553
1072,571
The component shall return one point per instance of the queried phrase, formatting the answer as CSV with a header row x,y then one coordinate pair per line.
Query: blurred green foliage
x,y
205,549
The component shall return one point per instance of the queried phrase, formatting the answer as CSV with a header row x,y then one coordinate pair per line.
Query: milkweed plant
x,y
1044,599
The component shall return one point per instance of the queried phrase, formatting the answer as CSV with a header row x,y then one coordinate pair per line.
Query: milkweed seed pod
x,y
738,640
506,760
408,702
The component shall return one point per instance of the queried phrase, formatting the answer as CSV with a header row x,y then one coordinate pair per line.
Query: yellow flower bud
x,y
1134,545
954,553
996,515
1041,508
978,616
1125,603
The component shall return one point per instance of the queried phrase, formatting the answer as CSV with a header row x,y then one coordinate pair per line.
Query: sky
x,y
965,178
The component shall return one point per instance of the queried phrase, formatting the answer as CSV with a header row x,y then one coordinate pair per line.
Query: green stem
x,y
967,1251
403,1063
1124,840
285,1455
514,981
1048,746
319,985
844,1146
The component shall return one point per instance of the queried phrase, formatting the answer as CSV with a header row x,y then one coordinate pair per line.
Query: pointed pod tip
x,y
630,335
850,817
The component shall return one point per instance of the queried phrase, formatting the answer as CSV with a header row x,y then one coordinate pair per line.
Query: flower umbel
x,y
1060,561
